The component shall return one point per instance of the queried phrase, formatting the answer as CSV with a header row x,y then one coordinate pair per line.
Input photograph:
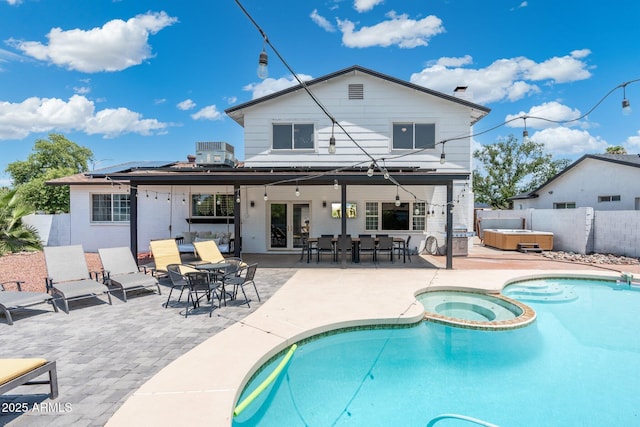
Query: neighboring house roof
x,y
237,112
98,176
632,160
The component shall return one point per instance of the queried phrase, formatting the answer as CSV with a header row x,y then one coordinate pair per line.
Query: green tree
x,y
55,157
14,235
509,167
616,149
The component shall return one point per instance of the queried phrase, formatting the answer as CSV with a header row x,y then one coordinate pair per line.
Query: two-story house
x,y
392,155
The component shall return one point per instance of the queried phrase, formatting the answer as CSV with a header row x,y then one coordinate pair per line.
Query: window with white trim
x,y
293,136
212,205
409,136
110,208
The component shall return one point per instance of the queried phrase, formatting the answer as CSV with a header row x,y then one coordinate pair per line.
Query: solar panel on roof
x,y
123,167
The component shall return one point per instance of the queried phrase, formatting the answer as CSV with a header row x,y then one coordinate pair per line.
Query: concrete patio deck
x,y
137,363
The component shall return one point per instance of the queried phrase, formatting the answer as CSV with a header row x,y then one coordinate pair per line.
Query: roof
x,y
632,160
188,174
237,113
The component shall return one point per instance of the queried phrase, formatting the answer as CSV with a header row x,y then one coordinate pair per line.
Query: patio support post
x,y
237,215
343,225
133,220
449,210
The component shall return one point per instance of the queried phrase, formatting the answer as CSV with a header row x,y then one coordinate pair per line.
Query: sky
x,y
145,80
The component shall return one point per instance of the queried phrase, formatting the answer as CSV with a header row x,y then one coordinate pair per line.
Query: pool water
x,y
577,365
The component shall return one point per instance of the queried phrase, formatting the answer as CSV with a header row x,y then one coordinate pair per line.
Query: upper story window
x,y
609,198
293,136
408,136
212,205
110,208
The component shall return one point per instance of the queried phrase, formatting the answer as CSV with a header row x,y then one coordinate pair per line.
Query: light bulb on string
x,y
397,203
336,186
265,194
370,171
263,61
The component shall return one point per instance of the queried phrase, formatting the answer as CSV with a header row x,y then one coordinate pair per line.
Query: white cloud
x,y
208,113
563,140
269,86
398,30
322,22
553,112
365,5
81,90
14,2
113,47
632,144
187,104
38,115
232,99
505,79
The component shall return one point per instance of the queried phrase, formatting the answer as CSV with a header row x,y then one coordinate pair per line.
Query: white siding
x,y
368,121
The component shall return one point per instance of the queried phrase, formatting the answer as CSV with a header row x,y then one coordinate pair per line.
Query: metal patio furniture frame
x,y
19,372
121,271
10,300
68,275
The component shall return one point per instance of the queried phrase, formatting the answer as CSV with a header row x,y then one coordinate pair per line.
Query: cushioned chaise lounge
x,y
10,300
121,271
17,372
68,276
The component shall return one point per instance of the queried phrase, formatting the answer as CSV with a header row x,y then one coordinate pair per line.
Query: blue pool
x,y
578,364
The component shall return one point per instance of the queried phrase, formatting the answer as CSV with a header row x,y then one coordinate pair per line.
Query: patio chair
x,y
121,271
344,243
17,300
325,245
404,251
18,372
196,282
208,251
385,245
164,252
244,277
367,246
69,277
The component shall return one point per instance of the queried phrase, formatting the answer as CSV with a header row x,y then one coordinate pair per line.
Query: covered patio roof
x,y
242,176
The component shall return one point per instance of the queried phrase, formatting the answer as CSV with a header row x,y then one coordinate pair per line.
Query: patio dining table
x,y
215,270
398,243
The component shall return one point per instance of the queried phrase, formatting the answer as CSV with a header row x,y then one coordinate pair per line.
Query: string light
x,y
263,61
626,105
525,132
332,140
442,155
265,194
370,170
397,197
336,186
297,190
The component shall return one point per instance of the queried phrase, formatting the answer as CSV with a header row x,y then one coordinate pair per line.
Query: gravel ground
x,y
30,268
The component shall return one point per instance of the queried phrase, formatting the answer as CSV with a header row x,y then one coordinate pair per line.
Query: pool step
x,y
529,247
541,293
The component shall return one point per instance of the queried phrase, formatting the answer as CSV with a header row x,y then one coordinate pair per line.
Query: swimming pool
x,y
578,364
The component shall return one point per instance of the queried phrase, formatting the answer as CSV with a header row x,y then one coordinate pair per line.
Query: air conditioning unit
x,y
217,153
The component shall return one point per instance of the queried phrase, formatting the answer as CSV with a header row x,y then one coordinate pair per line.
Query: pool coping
x,y
206,382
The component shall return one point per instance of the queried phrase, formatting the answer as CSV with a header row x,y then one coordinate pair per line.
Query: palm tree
x,y
14,235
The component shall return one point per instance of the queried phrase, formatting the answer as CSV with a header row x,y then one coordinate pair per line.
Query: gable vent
x,y
356,91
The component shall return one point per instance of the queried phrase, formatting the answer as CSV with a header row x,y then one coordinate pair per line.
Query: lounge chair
x,y
69,277
121,271
164,252
10,300
208,251
18,372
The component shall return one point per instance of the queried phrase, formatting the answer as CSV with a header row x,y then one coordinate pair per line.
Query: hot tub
x,y
508,239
